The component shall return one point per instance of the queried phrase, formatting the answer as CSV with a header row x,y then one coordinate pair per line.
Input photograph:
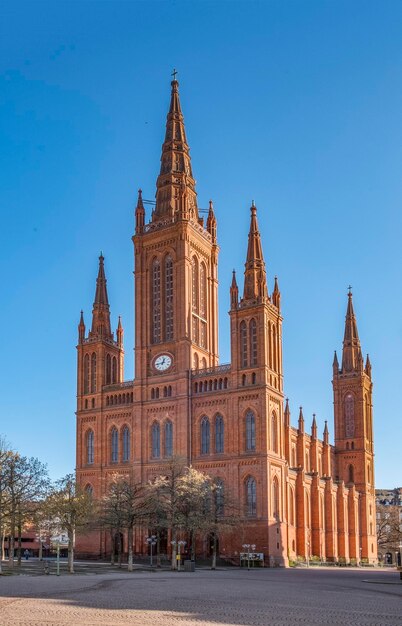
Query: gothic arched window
x,y
108,369
351,474
251,497
86,373
274,432
168,438
275,498
250,431
156,440
126,444
274,351
114,445
168,298
93,373
291,507
89,490
253,342
156,301
90,447
349,415
219,434
114,370
205,435
195,285
243,345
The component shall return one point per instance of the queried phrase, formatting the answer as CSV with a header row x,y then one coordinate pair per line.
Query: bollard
x,y
46,567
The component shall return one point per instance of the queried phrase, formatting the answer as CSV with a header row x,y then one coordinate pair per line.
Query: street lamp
x,y
179,545
360,560
247,547
151,541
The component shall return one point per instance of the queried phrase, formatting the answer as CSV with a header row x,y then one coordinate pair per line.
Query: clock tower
x,y
176,263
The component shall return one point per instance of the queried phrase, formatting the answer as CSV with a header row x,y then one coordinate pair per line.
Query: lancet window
x,y
205,435
253,342
156,440
219,434
156,301
90,447
168,438
93,373
243,344
250,431
168,298
114,445
251,497
86,373
126,444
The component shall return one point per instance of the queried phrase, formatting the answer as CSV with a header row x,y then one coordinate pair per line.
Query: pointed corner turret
x,y
326,433
81,328
139,214
287,413
211,222
314,428
367,367
255,280
101,311
351,355
234,292
119,333
335,365
276,295
301,421
175,187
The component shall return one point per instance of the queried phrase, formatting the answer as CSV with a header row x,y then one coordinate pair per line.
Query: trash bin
x,y
189,566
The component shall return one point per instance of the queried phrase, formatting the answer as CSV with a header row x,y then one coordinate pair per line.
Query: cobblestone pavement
x,y
205,598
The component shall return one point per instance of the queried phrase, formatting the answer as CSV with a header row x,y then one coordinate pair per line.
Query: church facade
x,y
301,496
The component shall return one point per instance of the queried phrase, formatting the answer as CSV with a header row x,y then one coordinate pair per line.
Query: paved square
x,y
205,598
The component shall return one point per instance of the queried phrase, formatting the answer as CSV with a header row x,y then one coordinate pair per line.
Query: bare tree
x,y
71,509
388,528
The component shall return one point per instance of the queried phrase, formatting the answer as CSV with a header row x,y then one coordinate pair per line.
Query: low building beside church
x,y
301,496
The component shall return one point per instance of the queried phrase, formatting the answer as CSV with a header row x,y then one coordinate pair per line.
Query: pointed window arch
x,y
108,372
243,345
274,349
291,507
90,447
169,319
114,445
205,435
219,434
156,440
351,474
93,372
156,301
114,370
253,342
168,438
274,432
86,373
251,497
195,285
126,444
275,498
195,361
203,291
250,431
349,413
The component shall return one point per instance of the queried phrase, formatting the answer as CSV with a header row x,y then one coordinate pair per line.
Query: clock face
x,y
163,362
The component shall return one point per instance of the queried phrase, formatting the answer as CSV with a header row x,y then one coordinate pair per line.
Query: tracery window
x,y
219,434
205,435
156,440
251,497
274,432
90,447
114,441
93,373
169,298
108,369
114,370
126,444
86,373
349,415
168,438
253,342
156,301
243,344
250,431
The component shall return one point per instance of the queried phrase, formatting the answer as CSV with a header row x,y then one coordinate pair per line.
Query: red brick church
x,y
301,496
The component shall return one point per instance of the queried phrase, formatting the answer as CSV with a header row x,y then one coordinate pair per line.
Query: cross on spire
x,y
174,73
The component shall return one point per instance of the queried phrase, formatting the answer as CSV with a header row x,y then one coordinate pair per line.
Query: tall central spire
x,y
101,310
255,280
352,354
175,186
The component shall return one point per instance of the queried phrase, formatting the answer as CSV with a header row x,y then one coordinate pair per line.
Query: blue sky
x,y
294,104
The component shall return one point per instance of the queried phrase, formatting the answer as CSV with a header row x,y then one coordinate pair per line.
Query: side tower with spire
x,y
353,413
100,362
